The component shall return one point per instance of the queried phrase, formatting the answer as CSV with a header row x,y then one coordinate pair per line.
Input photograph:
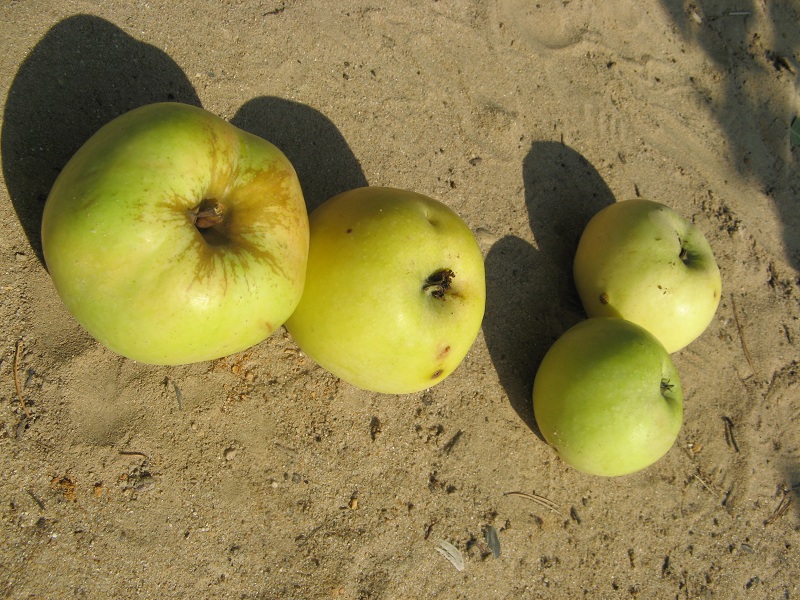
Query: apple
x,y
642,261
607,397
395,290
173,237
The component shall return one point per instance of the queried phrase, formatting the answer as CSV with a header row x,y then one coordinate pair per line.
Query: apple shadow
x,y
530,294
84,72
791,478
319,153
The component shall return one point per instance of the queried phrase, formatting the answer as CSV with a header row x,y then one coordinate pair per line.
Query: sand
x,y
261,475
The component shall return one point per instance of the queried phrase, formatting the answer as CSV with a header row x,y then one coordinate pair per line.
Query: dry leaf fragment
x,y
451,553
492,540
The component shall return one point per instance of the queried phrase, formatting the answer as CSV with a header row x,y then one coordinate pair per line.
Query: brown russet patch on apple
x,y
604,299
437,374
443,353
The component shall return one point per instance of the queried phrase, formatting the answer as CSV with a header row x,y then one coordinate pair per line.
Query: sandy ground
x,y
262,476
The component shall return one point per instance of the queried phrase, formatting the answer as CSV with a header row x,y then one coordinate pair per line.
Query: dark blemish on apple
x,y
349,230
437,374
604,298
444,352
438,283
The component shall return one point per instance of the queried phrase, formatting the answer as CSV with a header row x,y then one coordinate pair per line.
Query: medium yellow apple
x,y
395,290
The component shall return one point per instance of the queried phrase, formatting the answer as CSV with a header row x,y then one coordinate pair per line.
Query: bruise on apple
x,y
440,358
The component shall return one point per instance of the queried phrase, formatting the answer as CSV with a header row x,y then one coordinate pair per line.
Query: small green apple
x,y
174,237
395,290
642,261
608,398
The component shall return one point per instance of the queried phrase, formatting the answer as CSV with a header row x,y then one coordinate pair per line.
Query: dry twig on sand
x,y
782,509
729,439
549,504
16,379
741,337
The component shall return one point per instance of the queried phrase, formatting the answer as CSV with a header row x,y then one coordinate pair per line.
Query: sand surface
x,y
265,476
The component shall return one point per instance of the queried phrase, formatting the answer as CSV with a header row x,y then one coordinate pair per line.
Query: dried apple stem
x,y
207,214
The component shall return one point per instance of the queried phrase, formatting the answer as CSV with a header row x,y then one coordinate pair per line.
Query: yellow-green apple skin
x,y
642,261
395,290
173,237
607,397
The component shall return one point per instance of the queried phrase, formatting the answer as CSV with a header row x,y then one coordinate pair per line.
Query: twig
x,y
133,453
549,504
782,509
16,379
741,336
729,434
448,447
35,499
178,395
705,485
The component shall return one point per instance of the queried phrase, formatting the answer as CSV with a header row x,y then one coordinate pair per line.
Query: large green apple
x,y
395,290
174,237
642,261
607,397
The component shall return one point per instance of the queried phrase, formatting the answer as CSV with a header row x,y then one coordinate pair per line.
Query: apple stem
x,y
207,214
438,283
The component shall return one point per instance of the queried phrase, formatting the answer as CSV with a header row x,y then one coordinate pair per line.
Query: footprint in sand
x,y
552,24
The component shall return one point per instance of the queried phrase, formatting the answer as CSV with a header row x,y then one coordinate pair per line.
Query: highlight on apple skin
x,y
642,261
395,290
174,237
608,398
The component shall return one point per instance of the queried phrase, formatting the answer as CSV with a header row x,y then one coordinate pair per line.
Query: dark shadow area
x,y
84,72
790,500
755,123
319,153
530,295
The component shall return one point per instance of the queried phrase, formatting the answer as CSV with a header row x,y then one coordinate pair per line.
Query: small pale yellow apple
x,y
642,261
395,290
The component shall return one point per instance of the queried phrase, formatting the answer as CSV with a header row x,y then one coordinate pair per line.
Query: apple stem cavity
x,y
438,283
207,214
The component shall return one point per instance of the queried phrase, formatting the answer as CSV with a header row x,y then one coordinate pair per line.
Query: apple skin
x,y
642,261
122,240
607,397
371,312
